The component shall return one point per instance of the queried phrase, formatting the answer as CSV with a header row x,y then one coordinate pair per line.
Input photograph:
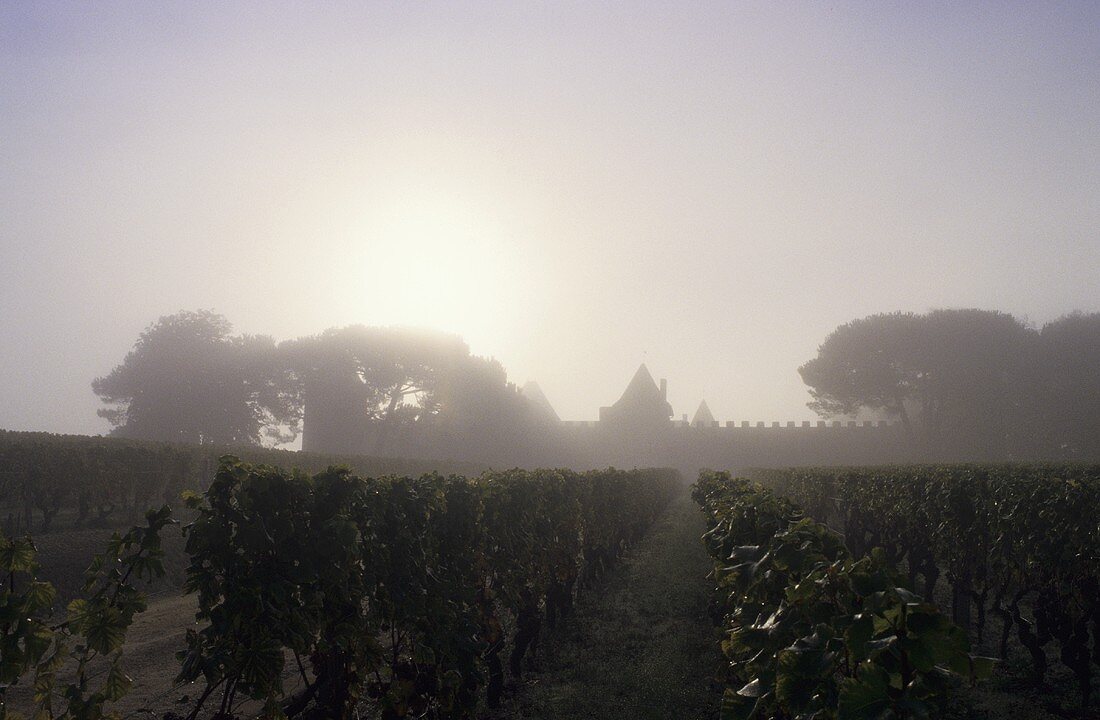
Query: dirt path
x,y
149,658
644,649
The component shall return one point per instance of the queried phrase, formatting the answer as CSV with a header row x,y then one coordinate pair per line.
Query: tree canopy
x,y
361,385
943,373
1070,357
967,383
188,379
394,373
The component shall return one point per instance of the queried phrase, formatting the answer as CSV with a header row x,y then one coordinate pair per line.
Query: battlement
x,y
637,430
757,425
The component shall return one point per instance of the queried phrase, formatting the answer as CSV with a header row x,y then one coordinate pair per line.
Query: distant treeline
x,y
968,383
189,379
965,384
99,482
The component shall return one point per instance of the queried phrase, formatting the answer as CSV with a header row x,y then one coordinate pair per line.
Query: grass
x,y
644,648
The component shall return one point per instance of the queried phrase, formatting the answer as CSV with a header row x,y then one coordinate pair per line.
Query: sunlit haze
x,y
574,189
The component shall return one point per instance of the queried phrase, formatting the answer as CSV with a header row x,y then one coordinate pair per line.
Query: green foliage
x,y
188,380
394,592
1003,536
811,631
391,591
111,481
968,383
94,629
366,385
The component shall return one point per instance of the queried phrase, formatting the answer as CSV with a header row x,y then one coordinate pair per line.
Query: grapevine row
x,y
813,631
97,481
1018,542
327,594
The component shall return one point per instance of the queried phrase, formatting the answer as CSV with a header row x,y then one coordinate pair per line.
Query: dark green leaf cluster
x,y
812,631
393,592
1006,538
92,633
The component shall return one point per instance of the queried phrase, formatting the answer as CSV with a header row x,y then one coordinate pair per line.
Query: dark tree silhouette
x,y
474,394
961,381
1070,348
187,379
361,385
390,371
868,363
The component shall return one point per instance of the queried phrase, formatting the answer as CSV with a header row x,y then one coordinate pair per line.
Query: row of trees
x,y
968,383
190,379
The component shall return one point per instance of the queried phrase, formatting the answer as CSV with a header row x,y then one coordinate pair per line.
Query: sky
x,y
575,188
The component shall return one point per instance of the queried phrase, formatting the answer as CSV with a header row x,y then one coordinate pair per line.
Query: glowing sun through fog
x,y
436,260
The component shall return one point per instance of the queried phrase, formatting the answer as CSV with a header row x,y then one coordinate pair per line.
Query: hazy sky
x,y
710,188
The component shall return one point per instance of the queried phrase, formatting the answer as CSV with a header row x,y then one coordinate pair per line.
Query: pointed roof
x,y
538,403
703,416
641,388
642,402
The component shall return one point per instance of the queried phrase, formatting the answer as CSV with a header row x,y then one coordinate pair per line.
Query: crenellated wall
x,y
742,444
634,432
585,444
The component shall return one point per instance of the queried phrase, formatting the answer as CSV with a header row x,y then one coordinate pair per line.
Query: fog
x,y
573,190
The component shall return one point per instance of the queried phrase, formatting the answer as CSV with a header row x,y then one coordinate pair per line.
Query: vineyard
x,y
813,631
320,594
323,592
82,481
1019,544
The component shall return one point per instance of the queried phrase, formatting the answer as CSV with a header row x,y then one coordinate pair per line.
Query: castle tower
x,y
643,403
703,416
540,406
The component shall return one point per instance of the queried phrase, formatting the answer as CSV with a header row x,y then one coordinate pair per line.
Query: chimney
x,y
664,389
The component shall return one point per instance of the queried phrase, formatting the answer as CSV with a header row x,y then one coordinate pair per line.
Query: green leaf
x,y
919,653
740,707
866,697
857,636
40,595
754,689
77,614
981,667
43,686
800,671
105,631
261,664
118,683
864,584
17,555
37,642
906,596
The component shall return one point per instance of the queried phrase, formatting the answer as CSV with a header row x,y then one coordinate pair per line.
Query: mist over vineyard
x,y
567,361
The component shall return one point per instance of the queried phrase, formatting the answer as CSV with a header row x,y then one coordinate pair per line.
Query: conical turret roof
x,y
640,389
538,403
642,402
703,416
